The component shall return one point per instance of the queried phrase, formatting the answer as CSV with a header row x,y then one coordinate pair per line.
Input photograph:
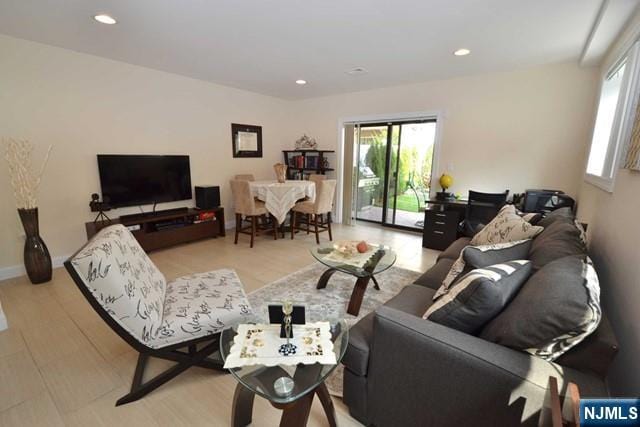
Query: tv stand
x,y
154,214
161,229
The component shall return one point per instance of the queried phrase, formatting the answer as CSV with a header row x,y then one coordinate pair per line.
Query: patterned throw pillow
x,y
507,226
482,256
479,296
556,309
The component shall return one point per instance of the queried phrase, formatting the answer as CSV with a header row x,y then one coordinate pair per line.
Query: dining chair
x,y
249,209
179,320
317,177
245,177
319,209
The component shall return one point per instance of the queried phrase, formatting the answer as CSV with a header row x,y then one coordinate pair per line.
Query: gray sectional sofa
x,y
402,370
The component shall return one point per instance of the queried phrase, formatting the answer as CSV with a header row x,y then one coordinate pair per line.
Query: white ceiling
x,y
265,45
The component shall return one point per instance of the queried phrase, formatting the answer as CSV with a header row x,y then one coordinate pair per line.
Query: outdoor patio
x,y
403,218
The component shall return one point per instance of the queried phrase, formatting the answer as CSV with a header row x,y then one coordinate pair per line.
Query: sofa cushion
x,y
558,214
483,256
433,277
479,296
559,239
556,309
453,251
412,299
202,304
507,226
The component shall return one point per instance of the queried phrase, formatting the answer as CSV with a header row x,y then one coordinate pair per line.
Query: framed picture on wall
x,y
246,140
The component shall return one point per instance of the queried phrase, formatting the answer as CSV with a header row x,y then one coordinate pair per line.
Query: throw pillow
x,y
507,226
560,239
482,256
558,214
531,217
479,296
556,309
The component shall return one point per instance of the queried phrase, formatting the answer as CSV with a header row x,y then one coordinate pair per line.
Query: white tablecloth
x,y
280,198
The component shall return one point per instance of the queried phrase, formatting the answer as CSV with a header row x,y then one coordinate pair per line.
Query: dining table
x,y
280,197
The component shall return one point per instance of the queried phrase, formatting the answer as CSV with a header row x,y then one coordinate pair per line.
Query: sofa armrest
x,y
423,373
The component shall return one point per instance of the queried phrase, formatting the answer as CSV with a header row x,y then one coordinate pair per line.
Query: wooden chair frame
x,y
254,228
318,226
194,356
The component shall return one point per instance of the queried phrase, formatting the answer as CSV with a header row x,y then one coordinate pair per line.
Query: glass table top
x,y
260,379
382,258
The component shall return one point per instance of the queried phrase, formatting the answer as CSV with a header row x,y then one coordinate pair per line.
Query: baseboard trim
x,y
18,270
3,320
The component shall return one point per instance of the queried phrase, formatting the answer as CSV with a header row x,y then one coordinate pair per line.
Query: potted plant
x,y
25,183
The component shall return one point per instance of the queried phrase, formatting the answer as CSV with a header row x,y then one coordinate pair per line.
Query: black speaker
x,y
207,197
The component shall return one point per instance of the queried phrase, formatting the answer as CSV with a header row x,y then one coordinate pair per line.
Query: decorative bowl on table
x,y
348,248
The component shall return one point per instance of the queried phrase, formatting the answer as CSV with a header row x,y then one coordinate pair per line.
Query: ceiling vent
x,y
357,71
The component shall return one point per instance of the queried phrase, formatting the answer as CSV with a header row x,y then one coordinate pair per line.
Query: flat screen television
x,y
133,180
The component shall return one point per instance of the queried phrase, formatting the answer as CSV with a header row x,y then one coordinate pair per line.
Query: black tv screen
x,y
133,180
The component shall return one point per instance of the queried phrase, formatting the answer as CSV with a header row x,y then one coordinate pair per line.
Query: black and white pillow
x,y
482,256
479,296
556,309
507,226
531,217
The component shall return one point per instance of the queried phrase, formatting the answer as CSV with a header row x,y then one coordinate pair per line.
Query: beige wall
x,y
85,105
614,235
517,130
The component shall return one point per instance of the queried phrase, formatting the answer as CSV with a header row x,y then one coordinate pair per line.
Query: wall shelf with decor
x,y
302,163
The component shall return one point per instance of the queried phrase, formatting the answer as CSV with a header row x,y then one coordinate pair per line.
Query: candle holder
x,y
288,348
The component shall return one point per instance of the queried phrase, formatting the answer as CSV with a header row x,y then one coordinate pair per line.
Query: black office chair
x,y
481,209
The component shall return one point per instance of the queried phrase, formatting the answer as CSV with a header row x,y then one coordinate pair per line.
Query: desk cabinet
x,y
440,228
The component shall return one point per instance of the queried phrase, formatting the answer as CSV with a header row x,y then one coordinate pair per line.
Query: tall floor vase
x,y
37,260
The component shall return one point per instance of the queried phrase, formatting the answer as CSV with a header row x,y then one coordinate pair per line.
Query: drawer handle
x,y
438,232
441,215
441,223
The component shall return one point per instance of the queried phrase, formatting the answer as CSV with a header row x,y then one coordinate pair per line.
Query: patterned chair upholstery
x,y
155,316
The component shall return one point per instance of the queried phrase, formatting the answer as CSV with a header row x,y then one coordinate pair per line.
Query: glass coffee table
x,y
308,381
382,259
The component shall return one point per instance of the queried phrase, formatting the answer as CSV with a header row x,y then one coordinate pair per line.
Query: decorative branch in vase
x,y
25,183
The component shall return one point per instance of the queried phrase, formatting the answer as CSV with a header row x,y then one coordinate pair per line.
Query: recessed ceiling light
x,y
105,19
462,52
301,82
357,71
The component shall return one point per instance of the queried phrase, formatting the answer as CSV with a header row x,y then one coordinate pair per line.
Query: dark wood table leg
x,y
357,295
375,283
322,282
241,414
327,404
296,414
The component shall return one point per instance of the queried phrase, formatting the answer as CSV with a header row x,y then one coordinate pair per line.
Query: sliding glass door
x,y
394,171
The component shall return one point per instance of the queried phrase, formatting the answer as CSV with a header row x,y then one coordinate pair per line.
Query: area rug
x,y
329,303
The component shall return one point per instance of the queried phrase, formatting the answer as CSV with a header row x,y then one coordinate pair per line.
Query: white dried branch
x,y
24,181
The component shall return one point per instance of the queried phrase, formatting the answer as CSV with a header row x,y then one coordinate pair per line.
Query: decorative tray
x,y
258,344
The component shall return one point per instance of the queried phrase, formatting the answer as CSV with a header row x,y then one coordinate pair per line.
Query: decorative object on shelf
x,y
446,181
306,143
25,183
246,140
101,207
325,163
281,172
287,349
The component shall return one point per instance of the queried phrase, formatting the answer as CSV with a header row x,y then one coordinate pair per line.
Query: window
x,y
613,120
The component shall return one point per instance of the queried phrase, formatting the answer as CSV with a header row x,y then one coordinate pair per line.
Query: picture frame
x,y
246,140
